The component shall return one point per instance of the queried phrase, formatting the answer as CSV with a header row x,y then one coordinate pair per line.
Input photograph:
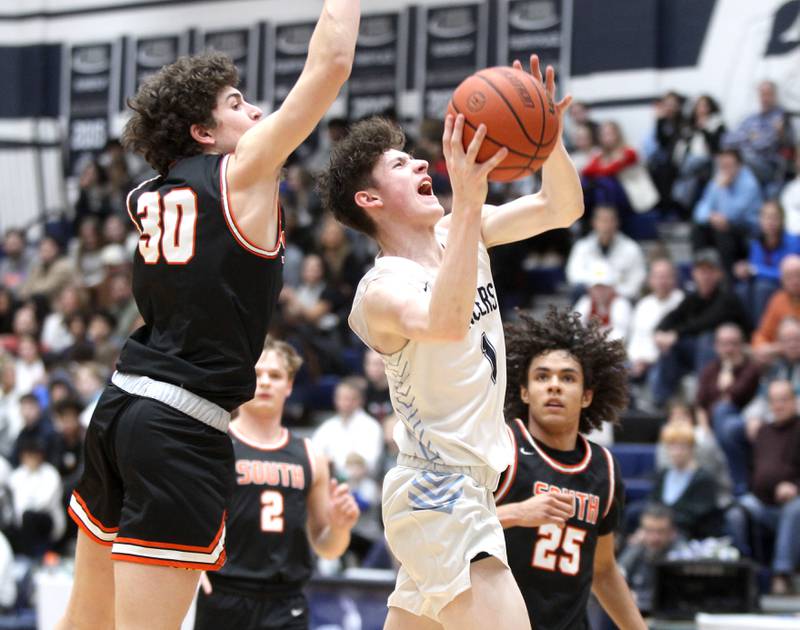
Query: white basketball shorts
x,y
437,519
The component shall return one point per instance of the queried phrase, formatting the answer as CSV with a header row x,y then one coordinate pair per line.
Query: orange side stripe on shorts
x,y
163,545
94,519
123,557
86,530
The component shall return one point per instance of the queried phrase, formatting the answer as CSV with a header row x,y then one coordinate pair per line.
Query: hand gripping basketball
x,y
468,177
519,113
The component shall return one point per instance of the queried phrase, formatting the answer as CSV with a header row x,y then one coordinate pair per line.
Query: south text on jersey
x,y
261,473
585,506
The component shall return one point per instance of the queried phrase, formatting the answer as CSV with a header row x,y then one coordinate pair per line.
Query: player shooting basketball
x,y
429,306
562,498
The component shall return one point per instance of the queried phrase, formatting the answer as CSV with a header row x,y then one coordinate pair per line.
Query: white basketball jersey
x,y
448,396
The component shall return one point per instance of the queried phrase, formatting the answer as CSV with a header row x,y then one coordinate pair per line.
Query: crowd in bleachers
x,y
712,327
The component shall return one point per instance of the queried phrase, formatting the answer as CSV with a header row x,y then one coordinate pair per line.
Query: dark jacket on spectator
x,y
776,458
745,384
695,512
697,315
42,430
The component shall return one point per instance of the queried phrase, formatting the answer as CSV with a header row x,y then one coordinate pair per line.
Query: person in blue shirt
x,y
759,276
766,139
727,213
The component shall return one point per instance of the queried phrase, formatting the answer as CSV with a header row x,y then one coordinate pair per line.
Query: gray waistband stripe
x,y
176,397
484,475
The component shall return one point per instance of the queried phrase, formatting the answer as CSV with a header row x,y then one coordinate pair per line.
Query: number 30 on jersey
x,y
168,226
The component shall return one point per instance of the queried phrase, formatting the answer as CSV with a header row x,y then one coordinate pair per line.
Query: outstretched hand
x,y
550,87
343,509
468,178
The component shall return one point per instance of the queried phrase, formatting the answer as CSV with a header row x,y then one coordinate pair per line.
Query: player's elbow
x,y
339,65
573,210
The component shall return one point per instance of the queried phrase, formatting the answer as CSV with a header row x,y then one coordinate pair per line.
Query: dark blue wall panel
x,y
31,80
613,35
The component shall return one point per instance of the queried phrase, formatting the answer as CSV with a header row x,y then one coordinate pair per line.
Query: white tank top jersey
x,y
448,396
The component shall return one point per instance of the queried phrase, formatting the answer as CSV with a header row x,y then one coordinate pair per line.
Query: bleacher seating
x,y
637,463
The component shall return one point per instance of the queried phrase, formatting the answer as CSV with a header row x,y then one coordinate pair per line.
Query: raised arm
x,y
262,150
253,169
560,201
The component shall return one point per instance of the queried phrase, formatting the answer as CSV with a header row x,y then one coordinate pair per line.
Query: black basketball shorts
x,y
156,483
244,611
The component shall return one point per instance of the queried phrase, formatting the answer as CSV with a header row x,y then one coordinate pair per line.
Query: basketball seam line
x,y
490,138
555,136
541,135
512,110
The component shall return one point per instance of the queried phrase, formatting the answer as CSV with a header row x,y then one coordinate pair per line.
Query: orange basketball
x,y
518,115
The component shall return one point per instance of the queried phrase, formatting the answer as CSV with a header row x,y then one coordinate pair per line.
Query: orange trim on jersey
x,y
511,472
233,226
128,202
94,519
85,529
567,469
312,460
278,444
178,564
173,546
611,481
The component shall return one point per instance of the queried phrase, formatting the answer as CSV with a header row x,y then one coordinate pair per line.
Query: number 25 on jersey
x,y
168,226
558,549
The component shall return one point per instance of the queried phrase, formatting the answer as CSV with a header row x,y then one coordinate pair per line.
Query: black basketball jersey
x,y
266,541
553,566
205,292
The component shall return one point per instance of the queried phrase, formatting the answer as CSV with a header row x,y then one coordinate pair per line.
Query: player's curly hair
x,y
168,103
350,169
602,361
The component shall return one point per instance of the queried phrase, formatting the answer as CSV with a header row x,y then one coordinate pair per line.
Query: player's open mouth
x,y
426,187
554,404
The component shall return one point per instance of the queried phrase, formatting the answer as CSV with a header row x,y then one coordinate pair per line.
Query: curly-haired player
x,y
159,468
562,498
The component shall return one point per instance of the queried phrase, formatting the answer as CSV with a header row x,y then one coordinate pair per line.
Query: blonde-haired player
x,y
284,504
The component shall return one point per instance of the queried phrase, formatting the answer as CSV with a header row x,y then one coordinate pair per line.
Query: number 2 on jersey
x,y
168,225
271,511
546,554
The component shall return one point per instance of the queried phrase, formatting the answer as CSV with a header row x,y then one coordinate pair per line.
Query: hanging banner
x,y
240,45
153,53
289,57
290,49
455,46
93,82
375,80
532,26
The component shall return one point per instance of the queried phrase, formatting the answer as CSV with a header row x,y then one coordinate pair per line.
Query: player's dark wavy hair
x,y
168,103
350,169
602,361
